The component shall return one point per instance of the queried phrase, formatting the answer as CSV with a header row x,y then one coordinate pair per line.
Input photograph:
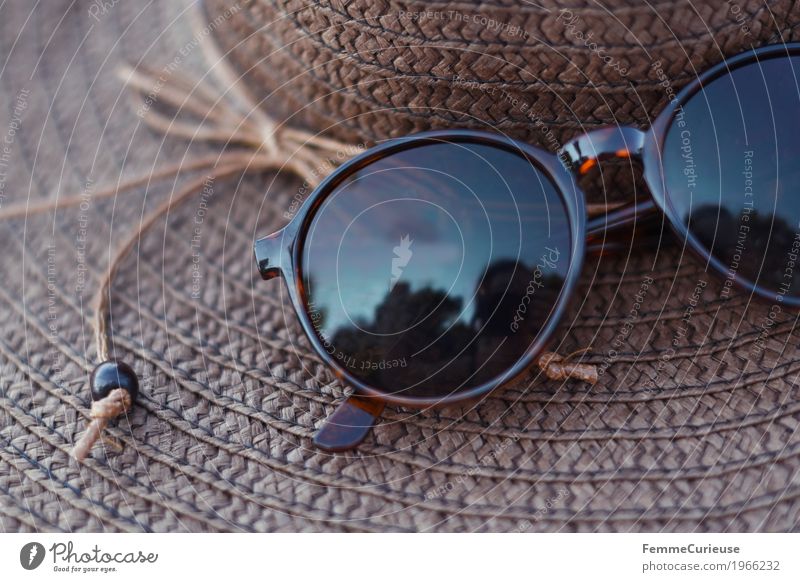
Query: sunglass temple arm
x,y
349,423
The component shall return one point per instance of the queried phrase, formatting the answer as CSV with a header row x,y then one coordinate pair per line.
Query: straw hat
x,y
692,426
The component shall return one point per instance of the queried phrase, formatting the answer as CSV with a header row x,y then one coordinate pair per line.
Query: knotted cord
x,y
117,402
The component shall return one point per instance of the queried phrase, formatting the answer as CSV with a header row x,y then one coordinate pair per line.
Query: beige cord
x,y
117,402
270,148
559,368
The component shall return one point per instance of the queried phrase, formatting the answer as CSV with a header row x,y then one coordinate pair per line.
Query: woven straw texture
x,y
693,425
539,71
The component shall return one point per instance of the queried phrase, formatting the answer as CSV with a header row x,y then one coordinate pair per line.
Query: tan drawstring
x,y
559,368
230,118
117,402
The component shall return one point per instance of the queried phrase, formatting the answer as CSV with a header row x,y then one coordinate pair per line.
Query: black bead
x,y
113,374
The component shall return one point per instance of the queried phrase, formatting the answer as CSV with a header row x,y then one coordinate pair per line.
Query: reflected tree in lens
x,y
380,357
442,349
719,230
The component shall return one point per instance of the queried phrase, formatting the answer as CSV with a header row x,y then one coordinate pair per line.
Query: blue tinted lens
x,y
732,171
432,270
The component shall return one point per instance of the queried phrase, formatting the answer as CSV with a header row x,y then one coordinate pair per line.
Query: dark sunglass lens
x,y
432,270
732,171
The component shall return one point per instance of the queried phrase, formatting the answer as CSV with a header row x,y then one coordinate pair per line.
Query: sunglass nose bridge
x,y
585,151
270,252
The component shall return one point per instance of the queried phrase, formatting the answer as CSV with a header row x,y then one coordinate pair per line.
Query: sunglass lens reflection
x,y
432,270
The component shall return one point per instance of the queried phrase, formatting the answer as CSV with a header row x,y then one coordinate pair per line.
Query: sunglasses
x,y
434,268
